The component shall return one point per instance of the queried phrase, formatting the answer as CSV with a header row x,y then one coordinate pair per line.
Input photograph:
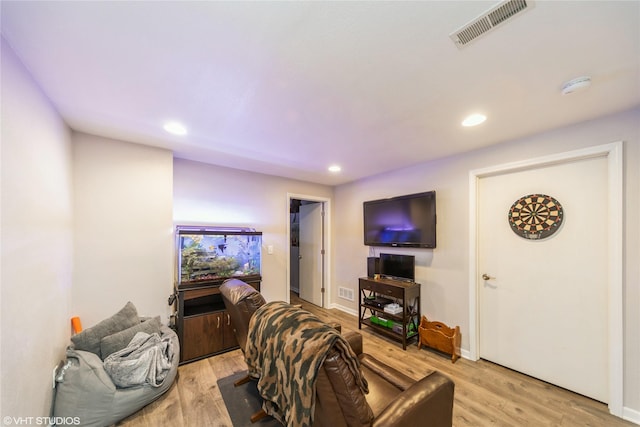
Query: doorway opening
x,y
307,277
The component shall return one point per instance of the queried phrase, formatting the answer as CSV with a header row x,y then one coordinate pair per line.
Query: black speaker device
x,y
373,266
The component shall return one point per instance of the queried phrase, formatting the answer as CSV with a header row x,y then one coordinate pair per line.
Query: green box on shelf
x,y
381,321
390,324
384,322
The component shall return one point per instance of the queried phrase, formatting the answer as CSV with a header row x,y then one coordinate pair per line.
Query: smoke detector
x,y
489,20
576,84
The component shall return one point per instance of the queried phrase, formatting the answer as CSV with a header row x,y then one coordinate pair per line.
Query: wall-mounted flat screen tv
x,y
403,221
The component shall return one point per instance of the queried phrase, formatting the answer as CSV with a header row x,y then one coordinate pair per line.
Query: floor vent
x,y
489,20
345,293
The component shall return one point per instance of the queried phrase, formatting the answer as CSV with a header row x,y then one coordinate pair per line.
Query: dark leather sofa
x,y
394,399
241,300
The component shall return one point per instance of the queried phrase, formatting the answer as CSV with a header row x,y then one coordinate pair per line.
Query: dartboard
x,y
536,216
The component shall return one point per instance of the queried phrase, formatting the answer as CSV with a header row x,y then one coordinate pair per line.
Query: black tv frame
x,y
423,243
393,266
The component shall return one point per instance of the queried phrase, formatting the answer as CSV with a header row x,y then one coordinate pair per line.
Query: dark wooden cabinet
x,y
376,293
202,336
203,325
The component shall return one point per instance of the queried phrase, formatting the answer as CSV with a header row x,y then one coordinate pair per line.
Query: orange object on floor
x,y
76,325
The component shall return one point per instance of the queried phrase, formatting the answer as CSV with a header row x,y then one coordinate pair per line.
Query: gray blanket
x,y
146,359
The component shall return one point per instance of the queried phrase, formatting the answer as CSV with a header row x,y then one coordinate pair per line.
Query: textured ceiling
x,y
288,88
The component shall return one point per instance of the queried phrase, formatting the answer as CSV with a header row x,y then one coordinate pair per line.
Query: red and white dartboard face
x,y
536,216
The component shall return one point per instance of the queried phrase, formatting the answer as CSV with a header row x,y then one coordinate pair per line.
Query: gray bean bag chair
x,y
84,389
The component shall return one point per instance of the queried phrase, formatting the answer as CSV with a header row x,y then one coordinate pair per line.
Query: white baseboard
x,y
631,415
465,354
345,309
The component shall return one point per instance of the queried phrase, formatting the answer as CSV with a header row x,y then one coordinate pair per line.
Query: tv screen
x,y
402,267
407,221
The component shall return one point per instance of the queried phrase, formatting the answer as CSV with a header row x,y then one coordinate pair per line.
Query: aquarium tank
x,y
210,253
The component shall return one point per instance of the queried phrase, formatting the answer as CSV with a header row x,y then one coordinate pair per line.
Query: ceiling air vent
x,y
489,20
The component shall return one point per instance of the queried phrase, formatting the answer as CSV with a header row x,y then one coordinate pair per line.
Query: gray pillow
x,y
89,339
119,340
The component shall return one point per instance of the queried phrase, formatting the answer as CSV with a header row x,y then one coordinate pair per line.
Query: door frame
x,y
326,268
614,154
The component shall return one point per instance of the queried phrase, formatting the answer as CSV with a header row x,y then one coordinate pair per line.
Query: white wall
x,y
213,195
123,228
443,272
36,241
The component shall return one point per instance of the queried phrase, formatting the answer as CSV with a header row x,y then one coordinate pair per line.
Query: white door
x,y
311,253
543,310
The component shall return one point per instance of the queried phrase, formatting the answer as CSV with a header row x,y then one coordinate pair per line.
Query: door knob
x,y
485,276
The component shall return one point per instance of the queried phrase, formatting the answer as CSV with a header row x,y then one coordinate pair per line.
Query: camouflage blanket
x,y
286,347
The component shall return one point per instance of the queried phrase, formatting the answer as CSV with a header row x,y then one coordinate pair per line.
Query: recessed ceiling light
x,y
474,120
175,128
334,168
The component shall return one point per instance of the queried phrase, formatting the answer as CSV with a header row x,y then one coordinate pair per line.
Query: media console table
x,y
402,326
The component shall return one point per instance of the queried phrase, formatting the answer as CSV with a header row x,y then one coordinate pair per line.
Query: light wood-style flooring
x,y
485,395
